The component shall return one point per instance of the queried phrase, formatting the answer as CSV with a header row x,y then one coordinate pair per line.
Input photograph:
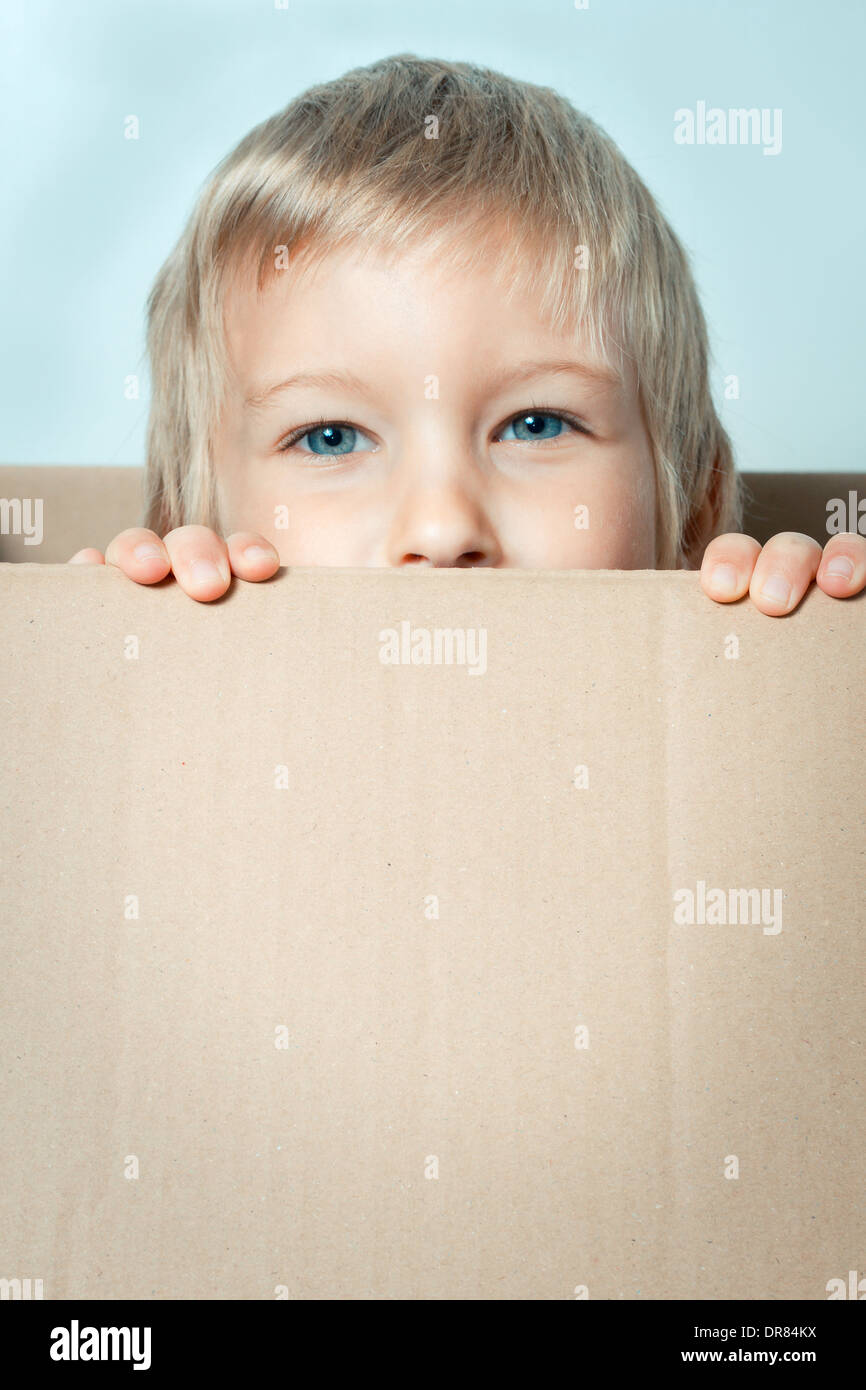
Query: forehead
x,y
410,309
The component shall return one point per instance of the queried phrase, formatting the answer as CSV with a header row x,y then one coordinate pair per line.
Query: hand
x,y
788,563
200,560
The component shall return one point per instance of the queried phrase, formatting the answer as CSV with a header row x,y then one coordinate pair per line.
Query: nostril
x,y
469,559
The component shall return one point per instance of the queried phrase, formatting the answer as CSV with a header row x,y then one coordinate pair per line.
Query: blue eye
x,y
536,424
336,438
328,439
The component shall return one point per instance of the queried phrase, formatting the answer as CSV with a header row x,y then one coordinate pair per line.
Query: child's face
x,y
447,440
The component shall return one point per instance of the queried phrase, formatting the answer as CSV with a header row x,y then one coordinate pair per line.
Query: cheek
x,y
324,530
306,527
624,534
591,524
249,499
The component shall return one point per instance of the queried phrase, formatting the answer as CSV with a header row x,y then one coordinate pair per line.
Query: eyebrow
x,y
326,380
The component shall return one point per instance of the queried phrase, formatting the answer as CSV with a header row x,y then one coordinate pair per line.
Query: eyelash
x,y
572,420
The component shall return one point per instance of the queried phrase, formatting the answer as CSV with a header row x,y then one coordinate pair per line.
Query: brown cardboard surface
x,y
288,1072
53,510
82,506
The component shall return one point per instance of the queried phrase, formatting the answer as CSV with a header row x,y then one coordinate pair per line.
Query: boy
x,y
429,315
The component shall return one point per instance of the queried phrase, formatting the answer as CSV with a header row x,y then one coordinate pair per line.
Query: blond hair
x,y
412,150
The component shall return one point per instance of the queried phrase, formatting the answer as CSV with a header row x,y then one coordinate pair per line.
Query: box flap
x,y
352,978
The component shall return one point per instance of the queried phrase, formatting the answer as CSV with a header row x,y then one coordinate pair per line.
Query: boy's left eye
x,y
539,424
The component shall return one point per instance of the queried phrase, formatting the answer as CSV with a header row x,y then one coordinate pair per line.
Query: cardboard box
x,y
327,976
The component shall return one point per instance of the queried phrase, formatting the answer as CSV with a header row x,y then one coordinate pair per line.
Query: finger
x,y
842,571
200,561
251,556
88,556
140,554
726,569
784,570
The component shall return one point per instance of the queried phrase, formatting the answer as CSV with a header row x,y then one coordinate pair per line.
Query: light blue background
x,y
776,241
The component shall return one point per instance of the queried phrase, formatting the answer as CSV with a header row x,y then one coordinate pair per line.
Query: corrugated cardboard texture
x,y
87,506
339,1049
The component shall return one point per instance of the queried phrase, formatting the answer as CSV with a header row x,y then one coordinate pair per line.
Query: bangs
x,y
576,284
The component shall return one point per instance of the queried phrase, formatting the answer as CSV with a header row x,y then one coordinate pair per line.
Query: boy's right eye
x,y
328,439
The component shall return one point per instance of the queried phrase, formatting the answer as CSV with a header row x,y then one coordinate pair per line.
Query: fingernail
x,y
147,551
258,552
841,565
724,579
206,572
777,590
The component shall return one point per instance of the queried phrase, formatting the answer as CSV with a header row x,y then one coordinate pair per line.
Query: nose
x,y
443,527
